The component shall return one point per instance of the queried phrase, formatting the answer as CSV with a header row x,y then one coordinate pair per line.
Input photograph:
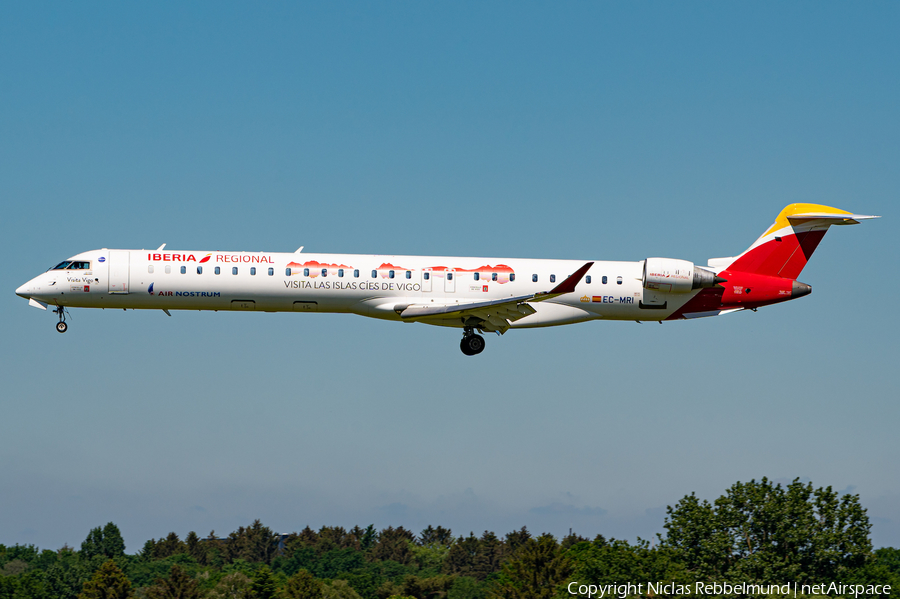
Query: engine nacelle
x,y
668,275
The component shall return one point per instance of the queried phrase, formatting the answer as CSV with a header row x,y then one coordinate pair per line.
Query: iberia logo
x,y
205,258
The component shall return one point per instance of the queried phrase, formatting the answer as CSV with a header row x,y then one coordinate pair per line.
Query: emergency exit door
x,y
119,271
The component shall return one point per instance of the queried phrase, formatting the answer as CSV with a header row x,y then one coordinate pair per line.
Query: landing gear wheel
x,y
61,326
472,345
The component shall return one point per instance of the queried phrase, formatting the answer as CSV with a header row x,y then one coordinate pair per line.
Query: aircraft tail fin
x,y
785,248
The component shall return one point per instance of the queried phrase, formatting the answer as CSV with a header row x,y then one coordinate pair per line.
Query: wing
x,y
494,315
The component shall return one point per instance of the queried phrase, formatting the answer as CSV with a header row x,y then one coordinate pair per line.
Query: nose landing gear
x,y
471,344
61,326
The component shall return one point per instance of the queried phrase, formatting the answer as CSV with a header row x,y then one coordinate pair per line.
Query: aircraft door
x,y
449,281
119,271
427,277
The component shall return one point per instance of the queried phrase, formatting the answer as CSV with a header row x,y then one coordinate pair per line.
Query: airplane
x,y
477,295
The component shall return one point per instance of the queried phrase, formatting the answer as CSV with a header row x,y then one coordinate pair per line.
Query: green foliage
x,y
339,589
255,543
757,532
264,584
599,562
236,585
144,573
465,587
394,545
106,542
538,567
762,532
179,585
302,585
108,582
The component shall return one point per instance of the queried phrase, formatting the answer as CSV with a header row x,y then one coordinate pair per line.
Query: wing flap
x,y
495,314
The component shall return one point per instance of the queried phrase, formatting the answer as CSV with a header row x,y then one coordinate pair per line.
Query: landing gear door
x,y
449,281
119,271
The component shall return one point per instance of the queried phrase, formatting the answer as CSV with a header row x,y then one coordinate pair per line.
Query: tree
x,y
179,585
516,539
339,589
462,556
763,532
108,582
255,543
394,544
106,542
264,584
538,568
195,547
233,586
112,543
465,587
436,536
600,562
302,585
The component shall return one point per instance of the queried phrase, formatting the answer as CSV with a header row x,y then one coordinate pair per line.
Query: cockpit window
x,y
62,265
79,266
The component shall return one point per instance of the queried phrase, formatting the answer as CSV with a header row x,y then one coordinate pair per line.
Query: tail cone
x,y
799,289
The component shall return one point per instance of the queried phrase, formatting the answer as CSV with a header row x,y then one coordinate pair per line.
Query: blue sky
x,y
579,130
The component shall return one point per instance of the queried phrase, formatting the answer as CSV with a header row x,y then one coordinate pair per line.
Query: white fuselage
x,y
368,285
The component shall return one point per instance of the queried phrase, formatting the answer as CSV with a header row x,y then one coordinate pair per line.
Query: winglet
x,y
568,286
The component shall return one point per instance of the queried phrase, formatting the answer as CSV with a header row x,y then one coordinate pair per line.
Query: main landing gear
x,y
472,344
61,326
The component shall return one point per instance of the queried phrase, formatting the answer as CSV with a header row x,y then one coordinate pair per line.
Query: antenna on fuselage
x,y
299,249
159,249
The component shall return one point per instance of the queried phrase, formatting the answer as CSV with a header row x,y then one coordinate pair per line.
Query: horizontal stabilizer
x,y
830,218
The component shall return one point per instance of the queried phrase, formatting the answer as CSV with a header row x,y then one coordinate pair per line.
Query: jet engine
x,y
668,275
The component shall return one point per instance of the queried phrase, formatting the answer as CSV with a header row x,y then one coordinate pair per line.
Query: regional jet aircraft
x,y
477,295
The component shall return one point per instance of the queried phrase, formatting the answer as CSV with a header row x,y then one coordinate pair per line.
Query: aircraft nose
x,y
24,290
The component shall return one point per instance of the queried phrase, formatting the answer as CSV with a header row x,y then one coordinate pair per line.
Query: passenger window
x,y
390,274
512,277
340,272
168,269
374,274
552,278
618,280
150,269
218,270
587,279
305,272
184,270
408,274
271,271
493,276
534,278
603,280
449,276
199,270
252,270
356,273
426,275
324,272
477,276
234,270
